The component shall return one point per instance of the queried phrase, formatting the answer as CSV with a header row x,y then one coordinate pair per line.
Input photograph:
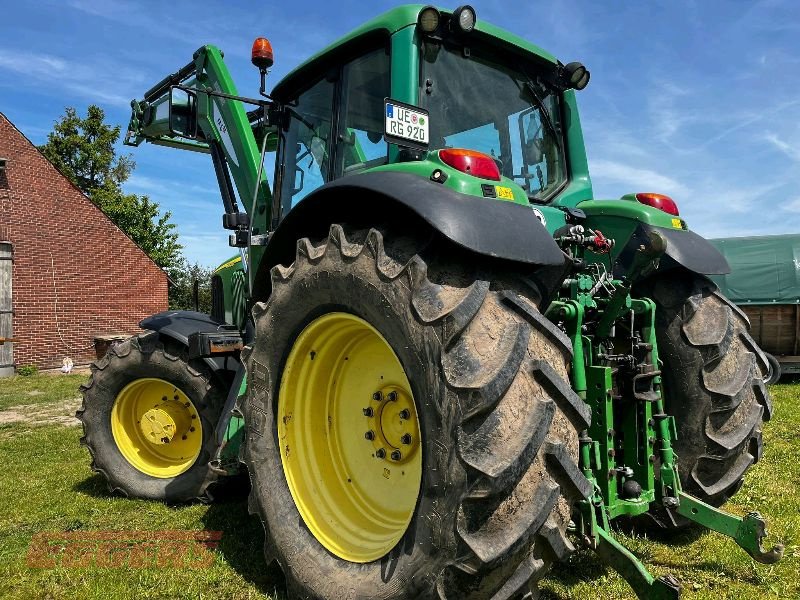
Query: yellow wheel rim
x,y
349,437
156,428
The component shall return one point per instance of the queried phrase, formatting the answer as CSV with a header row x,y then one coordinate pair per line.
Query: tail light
x,y
659,201
471,162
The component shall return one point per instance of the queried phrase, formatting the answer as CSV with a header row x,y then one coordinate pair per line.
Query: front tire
x,y
497,419
713,385
148,417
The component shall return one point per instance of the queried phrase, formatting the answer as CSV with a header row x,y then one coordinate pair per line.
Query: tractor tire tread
x,y
96,391
714,371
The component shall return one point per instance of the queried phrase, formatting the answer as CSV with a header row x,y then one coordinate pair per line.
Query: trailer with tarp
x,y
765,283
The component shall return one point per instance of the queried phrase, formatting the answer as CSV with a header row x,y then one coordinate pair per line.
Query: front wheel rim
x,y
349,437
156,428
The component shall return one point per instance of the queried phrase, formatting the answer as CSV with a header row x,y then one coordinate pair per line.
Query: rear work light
x,y
659,201
471,162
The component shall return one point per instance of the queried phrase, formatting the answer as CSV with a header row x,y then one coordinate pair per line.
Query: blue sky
x,y
696,99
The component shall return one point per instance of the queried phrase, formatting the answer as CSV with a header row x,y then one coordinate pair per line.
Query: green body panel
x,y
631,211
393,21
456,180
230,274
579,186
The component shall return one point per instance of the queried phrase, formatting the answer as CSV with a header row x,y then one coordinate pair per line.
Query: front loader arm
x,y
220,121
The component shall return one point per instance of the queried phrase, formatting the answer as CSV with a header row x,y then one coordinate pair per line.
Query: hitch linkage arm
x,y
748,531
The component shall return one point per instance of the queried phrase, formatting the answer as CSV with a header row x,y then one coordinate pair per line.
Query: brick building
x,y
75,275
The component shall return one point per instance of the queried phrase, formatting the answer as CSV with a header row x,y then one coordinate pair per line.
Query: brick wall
x,y
75,274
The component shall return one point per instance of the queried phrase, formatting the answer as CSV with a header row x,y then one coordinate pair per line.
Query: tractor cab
x,y
442,90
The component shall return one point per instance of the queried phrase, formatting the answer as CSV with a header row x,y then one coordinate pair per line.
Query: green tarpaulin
x,y
764,269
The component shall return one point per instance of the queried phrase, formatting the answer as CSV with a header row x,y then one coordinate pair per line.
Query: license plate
x,y
405,125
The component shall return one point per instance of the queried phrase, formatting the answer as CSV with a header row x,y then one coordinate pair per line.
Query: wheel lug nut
x,y
396,455
377,396
183,437
186,404
406,439
405,414
370,435
392,396
164,398
368,412
380,453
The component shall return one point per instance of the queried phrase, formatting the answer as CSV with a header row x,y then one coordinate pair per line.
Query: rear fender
x,y
630,222
403,201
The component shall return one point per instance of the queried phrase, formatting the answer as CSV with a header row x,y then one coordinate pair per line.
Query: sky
x,y
697,99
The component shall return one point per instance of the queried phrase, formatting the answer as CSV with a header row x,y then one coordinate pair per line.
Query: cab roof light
x,y
463,19
659,201
261,55
428,19
470,162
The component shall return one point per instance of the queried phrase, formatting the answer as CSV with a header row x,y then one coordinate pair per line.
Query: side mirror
x,y
183,112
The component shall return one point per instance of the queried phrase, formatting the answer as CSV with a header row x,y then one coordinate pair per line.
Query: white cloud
x,y
98,81
790,150
635,179
792,205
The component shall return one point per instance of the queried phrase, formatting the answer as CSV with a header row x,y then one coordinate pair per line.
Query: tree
x,y
139,218
83,149
181,295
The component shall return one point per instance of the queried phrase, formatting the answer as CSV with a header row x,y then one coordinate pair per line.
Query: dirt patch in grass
x,y
59,413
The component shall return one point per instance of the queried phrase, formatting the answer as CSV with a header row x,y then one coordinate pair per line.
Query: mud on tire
x,y
499,421
713,381
147,356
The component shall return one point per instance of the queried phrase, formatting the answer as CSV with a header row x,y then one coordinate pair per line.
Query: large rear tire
x,y
713,384
148,418
485,373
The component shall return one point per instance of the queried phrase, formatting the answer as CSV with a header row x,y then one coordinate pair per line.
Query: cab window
x,y
349,99
365,84
306,144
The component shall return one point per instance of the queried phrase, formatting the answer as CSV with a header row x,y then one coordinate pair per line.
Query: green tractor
x,y
441,362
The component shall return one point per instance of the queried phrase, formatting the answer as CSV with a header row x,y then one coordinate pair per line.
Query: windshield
x,y
483,106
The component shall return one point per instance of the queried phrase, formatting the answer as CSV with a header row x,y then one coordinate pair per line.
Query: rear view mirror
x,y
183,112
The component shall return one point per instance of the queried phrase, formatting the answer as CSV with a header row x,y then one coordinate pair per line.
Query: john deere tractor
x,y
441,361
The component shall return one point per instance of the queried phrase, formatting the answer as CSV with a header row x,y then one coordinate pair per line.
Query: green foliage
x,y
27,370
83,149
139,218
181,294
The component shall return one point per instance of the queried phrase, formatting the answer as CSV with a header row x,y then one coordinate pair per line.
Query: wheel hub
x,y
162,422
392,425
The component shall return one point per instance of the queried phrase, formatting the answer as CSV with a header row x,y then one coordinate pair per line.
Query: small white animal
x,y
66,365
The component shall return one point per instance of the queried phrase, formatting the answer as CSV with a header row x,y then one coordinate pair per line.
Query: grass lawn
x,y
46,485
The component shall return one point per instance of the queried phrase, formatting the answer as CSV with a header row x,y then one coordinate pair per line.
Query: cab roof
x,y
384,26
